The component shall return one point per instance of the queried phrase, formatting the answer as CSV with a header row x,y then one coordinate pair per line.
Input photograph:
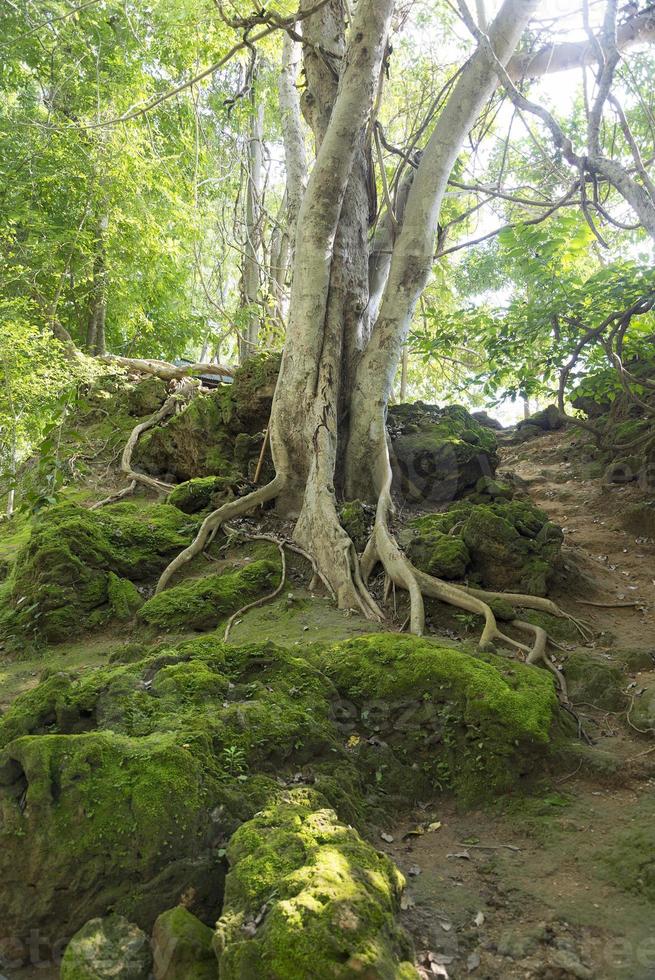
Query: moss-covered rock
x,y
200,603
307,897
117,784
505,545
146,397
442,555
62,578
548,419
596,681
107,949
475,725
199,494
220,433
439,453
122,596
182,947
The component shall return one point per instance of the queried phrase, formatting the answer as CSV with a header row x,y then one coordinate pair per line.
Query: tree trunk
x,y
95,337
250,285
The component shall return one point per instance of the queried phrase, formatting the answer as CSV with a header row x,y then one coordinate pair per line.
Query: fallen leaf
x,y
434,826
388,838
479,918
414,871
464,855
407,902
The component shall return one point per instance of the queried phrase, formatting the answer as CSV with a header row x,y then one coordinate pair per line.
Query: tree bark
x,y
250,285
412,258
95,338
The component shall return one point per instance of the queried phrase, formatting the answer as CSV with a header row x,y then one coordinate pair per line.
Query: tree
x,y
328,420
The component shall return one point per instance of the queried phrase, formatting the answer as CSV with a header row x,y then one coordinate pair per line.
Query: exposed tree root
x,y
264,599
177,402
212,523
539,654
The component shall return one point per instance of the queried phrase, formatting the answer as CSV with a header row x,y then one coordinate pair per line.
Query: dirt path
x,y
572,895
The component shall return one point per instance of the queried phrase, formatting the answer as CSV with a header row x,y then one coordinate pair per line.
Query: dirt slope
x,y
538,889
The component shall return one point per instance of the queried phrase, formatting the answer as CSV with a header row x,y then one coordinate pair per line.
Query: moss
x,y
356,522
62,573
123,597
108,779
306,896
201,603
439,453
495,489
470,724
595,681
442,555
627,858
195,495
107,949
511,545
182,946
146,397
561,629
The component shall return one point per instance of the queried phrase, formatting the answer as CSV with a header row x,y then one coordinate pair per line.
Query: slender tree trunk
x,y
95,337
412,259
252,249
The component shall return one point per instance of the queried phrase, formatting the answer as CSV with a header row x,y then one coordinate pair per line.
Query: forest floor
x,y
550,905
547,887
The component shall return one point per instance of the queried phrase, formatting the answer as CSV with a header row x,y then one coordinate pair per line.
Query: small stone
x,y
108,949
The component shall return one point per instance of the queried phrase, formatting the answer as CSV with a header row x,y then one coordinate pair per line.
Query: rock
x,y
507,545
495,489
437,454
624,470
63,574
595,681
107,949
182,947
488,421
307,897
201,493
548,420
219,434
147,397
200,603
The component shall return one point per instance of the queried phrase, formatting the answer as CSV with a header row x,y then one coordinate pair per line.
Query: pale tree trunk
x,y
329,360
295,153
95,337
412,259
251,275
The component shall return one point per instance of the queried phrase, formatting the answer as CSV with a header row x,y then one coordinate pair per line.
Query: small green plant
x,y
234,762
466,621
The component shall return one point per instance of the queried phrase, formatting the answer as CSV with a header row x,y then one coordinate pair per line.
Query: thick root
x,y
176,403
264,599
212,523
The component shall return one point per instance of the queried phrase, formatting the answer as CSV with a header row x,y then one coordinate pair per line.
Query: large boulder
x,y
438,453
108,949
503,545
119,786
75,570
307,897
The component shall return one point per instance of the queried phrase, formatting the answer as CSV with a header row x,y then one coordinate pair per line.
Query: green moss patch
x,y
201,603
306,896
182,947
113,780
199,494
475,725
62,581
505,545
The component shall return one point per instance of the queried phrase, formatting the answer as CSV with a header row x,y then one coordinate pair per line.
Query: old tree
x,y
353,294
